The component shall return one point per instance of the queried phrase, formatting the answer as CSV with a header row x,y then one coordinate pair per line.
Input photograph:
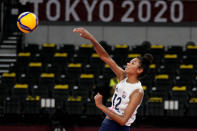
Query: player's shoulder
x,y
139,91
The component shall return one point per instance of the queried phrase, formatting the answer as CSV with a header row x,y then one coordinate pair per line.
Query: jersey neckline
x,y
131,83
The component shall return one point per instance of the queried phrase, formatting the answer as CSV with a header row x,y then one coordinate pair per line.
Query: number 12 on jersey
x,y
116,102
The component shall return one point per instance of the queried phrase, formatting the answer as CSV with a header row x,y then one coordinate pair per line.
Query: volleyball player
x,y
128,93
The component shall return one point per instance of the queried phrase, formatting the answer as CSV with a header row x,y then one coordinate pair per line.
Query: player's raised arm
x,y
102,53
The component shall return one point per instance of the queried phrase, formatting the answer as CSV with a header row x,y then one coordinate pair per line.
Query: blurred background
x,y
48,78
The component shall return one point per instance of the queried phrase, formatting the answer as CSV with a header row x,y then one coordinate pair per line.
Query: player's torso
x,y
122,94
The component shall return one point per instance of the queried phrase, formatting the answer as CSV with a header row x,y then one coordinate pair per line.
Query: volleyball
x,y
27,22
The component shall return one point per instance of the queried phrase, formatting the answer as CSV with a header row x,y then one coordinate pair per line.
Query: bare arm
x,y
135,100
102,53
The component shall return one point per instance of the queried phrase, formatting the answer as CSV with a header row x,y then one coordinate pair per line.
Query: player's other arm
x,y
102,53
135,100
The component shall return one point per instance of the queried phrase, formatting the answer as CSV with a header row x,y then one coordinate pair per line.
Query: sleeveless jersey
x,y
121,98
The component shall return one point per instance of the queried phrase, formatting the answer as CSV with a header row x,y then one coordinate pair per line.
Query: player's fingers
x,y
80,29
99,95
75,30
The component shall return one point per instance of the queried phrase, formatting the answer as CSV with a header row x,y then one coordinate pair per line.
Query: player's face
x,y
133,66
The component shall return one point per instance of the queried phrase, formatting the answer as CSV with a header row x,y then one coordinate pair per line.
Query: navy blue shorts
x,y
110,125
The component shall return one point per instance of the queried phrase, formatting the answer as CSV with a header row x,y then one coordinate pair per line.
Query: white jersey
x,y
121,98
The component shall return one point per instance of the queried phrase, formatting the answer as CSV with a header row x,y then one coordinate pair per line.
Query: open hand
x,y
84,33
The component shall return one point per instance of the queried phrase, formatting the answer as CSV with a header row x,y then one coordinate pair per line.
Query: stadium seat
x,y
180,94
24,57
186,71
183,80
68,48
191,50
141,49
83,54
74,70
155,106
190,55
74,106
60,92
34,72
86,83
80,91
170,64
23,60
9,79
107,72
102,85
121,52
36,90
61,58
32,48
47,81
85,49
32,105
193,91
163,79
158,53
192,107
4,92
148,79
95,65
20,91
47,52
175,49
61,78
161,86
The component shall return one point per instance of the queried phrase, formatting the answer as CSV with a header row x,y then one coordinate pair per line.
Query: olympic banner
x,y
117,11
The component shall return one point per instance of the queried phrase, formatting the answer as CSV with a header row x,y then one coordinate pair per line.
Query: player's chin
x,y
126,70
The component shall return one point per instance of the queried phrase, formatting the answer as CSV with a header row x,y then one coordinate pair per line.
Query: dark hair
x,y
145,62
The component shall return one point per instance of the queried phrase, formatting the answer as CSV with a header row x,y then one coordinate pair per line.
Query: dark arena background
x,y
48,78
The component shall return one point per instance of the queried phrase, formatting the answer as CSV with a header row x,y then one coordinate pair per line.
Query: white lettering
x,y
158,17
71,10
111,10
148,11
125,17
48,8
179,4
90,8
